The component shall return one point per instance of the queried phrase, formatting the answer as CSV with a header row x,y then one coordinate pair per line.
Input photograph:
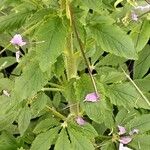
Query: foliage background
x,y
48,86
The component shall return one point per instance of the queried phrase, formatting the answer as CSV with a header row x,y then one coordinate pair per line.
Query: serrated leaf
x,y
108,146
142,65
142,123
112,39
44,140
99,112
53,33
31,81
78,141
39,103
86,130
124,116
24,119
45,124
13,21
126,95
142,36
141,142
7,141
63,142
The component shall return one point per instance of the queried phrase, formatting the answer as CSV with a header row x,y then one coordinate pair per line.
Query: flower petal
x,y
121,147
125,139
6,93
17,56
91,97
134,16
80,121
122,130
17,40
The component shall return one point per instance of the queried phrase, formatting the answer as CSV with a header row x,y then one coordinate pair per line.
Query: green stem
x,y
137,88
82,51
56,113
51,89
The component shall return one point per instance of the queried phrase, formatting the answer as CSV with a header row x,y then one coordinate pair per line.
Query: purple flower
x,y
17,40
80,121
91,97
134,16
6,93
17,56
122,147
122,130
125,139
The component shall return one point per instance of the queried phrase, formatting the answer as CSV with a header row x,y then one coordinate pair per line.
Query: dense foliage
x,y
74,75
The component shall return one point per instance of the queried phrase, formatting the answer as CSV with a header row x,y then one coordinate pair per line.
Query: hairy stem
x,y
82,50
56,113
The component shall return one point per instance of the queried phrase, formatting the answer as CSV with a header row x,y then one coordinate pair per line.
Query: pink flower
x,y
80,121
6,93
125,139
17,40
91,97
134,16
121,147
17,56
122,130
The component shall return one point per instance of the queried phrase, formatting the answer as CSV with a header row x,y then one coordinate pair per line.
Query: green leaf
x,y
112,39
6,84
53,33
141,122
39,103
24,119
13,21
108,146
6,62
142,36
78,141
99,112
7,141
31,81
87,130
141,142
45,124
63,142
92,4
7,119
142,65
44,140
126,95
124,116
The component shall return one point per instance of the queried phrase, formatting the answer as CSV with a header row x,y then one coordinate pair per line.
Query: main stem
x,y
82,50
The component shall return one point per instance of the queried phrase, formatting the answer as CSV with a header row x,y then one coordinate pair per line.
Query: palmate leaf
x,y
13,21
143,63
44,140
126,95
63,142
78,141
24,119
142,36
141,142
53,33
99,112
141,122
112,39
31,81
